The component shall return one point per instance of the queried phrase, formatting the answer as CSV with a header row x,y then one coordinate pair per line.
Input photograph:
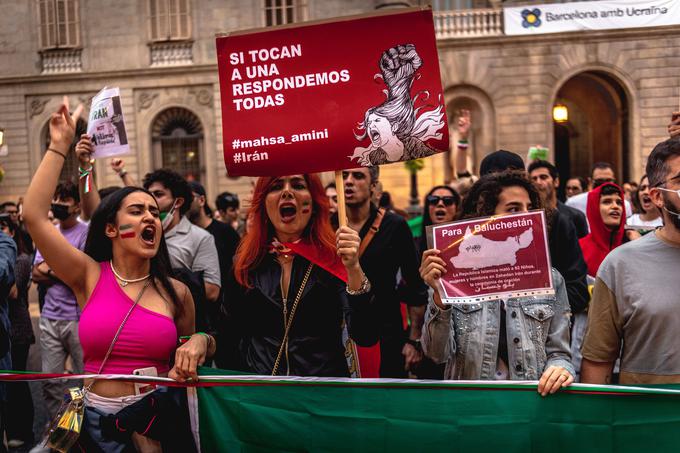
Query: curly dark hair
x,y
482,199
175,183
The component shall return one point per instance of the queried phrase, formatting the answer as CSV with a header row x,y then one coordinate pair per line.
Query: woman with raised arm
x,y
132,311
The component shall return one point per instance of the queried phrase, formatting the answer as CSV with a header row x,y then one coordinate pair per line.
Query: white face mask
x,y
166,217
677,192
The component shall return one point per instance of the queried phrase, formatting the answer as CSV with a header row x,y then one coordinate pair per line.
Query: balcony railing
x,y
172,53
58,61
468,23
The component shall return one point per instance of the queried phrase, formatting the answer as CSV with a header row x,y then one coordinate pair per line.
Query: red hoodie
x,y
601,240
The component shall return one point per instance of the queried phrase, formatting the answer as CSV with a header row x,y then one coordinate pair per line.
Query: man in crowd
x,y
635,298
546,179
189,246
601,173
226,242
390,248
228,204
565,253
499,161
60,314
11,208
332,194
575,186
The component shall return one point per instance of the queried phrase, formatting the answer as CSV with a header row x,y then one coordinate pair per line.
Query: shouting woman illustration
x,y
397,130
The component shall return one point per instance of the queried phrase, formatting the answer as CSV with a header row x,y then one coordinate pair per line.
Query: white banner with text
x,y
593,15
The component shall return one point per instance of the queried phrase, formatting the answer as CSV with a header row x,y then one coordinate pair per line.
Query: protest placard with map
x,y
492,258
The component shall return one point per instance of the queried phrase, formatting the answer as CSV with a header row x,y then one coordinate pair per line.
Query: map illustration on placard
x,y
494,257
473,250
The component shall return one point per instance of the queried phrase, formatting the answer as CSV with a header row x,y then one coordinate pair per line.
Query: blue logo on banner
x,y
531,18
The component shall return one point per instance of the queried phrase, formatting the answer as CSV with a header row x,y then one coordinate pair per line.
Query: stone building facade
x,y
620,86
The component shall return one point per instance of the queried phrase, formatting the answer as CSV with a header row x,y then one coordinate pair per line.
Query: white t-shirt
x,y
636,221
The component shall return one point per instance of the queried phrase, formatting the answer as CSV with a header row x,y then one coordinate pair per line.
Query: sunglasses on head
x,y
448,200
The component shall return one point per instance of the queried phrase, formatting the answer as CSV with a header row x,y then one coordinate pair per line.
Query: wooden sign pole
x,y
340,189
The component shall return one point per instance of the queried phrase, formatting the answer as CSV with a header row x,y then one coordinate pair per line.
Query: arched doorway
x,y
177,143
597,129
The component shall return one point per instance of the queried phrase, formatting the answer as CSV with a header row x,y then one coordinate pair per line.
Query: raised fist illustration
x,y
399,63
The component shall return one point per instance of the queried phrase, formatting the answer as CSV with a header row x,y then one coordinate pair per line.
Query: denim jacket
x,y
465,336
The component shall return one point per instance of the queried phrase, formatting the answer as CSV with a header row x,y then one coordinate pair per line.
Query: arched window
x,y
177,142
70,170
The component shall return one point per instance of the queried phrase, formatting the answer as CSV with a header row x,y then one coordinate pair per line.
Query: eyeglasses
x,y
448,200
670,190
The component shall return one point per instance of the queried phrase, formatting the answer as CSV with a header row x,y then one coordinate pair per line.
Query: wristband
x,y
58,152
465,174
122,173
86,174
463,144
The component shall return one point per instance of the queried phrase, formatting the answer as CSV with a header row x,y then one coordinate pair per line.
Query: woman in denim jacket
x,y
469,337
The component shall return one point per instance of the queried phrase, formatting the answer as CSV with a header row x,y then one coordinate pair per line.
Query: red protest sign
x,y
326,96
493,257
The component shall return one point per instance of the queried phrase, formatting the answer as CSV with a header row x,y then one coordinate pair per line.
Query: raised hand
x,y
464,124
117,164
84,150
63,127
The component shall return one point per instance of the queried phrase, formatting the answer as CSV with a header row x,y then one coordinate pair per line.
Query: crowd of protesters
x,y
148,278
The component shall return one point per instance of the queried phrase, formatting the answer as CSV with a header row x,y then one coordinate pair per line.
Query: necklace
x,y
124,281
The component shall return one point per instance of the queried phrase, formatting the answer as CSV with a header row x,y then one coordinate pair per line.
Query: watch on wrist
x,y
415,343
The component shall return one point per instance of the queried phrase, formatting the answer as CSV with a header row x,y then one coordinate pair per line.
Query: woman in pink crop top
x,y
125,252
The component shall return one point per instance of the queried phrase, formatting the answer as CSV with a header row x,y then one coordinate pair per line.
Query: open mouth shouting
x,y
148,236
646,202
287,211
375,136
439,215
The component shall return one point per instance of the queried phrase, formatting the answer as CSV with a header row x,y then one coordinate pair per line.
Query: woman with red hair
x,y
287,300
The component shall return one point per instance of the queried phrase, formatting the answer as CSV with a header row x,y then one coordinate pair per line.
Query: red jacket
x,y
601,240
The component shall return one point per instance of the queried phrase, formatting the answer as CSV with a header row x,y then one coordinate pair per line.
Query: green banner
x,y
255,414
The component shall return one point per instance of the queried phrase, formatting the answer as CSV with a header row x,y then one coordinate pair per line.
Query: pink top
x,y
147,339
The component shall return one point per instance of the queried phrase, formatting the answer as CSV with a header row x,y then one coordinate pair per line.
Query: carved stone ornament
x,y
37,106
146,100
203,96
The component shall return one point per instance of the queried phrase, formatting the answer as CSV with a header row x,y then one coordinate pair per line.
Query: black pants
x,y
19,423
391,358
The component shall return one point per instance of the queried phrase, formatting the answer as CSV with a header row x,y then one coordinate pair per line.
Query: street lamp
x,y
560,113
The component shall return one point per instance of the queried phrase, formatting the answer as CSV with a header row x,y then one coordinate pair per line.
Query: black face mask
x,y
60,211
